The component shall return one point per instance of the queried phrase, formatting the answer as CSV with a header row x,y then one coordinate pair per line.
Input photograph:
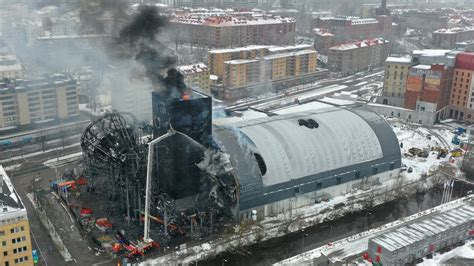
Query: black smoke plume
x,y
141,39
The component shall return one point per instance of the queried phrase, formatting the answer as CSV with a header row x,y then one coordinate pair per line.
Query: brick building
x,y
355,28
352,57
428,83
462,94
232,30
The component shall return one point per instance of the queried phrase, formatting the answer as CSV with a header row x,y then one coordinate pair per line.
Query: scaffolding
x,y
468,160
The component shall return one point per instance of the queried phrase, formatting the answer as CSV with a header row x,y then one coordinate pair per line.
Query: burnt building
x,y
267,166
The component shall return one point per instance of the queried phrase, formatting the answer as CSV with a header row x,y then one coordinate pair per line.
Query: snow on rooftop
x,y
431,52
454,30
403,60
10,200
281,55
240,61
192,69
425,67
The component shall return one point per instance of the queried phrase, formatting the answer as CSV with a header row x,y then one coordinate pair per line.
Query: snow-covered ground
x,y
466,252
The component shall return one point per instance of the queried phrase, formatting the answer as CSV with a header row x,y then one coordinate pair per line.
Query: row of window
x,y
16,250
12,220
17,229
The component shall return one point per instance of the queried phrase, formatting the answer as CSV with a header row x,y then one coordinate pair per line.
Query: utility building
x,y
422,237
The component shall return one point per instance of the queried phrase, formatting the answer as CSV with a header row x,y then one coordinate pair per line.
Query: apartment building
x,y
196,76
242,74
447,38
462,93
10,67
395,80
15,241
346,28
220,31
23,102
218,57
353,57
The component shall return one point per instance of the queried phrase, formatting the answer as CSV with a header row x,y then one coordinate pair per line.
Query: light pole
x,y
367,220
223,261
302,240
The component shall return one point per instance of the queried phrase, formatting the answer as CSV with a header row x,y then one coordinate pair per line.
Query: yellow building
x,y
10,67
197,76
274,67
395,80
15,241
27,101
217,58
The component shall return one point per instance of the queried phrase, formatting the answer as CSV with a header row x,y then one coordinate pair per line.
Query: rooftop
x,y
282,55
419,230
10,202
270,48
401,60
224,21
192,69
454,30
359,44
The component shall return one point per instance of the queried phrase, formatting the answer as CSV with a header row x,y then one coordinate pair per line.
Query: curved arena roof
x,y
295,153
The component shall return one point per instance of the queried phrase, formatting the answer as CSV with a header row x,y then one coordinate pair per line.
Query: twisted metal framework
x,y
113,150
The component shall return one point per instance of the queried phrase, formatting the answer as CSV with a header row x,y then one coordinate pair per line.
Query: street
x,y
23,178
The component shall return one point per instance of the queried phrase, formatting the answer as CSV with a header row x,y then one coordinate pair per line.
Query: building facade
x,y
227,31
428,83
23,102
395,80
240,74
15,241
196,76
10,67
462,94
353,57
447,38
354,28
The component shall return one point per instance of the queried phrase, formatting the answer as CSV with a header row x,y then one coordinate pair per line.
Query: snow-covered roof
x,y
401,60
431,52
282,55
270,48
292,151
10,202
224,21
454,30
425,67
240,61
358,44
421,229
192,69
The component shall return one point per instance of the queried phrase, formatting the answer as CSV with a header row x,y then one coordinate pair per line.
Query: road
x,y
271,251
22,178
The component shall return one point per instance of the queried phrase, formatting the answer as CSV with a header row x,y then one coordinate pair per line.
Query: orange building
x,y
428,83
462,95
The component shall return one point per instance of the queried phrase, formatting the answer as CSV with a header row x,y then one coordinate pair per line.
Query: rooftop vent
x,y
309,123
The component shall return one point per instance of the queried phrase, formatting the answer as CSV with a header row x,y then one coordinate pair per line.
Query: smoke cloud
x,y
141,39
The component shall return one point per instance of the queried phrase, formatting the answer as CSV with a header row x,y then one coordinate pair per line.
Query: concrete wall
x,y
300,200
424,115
